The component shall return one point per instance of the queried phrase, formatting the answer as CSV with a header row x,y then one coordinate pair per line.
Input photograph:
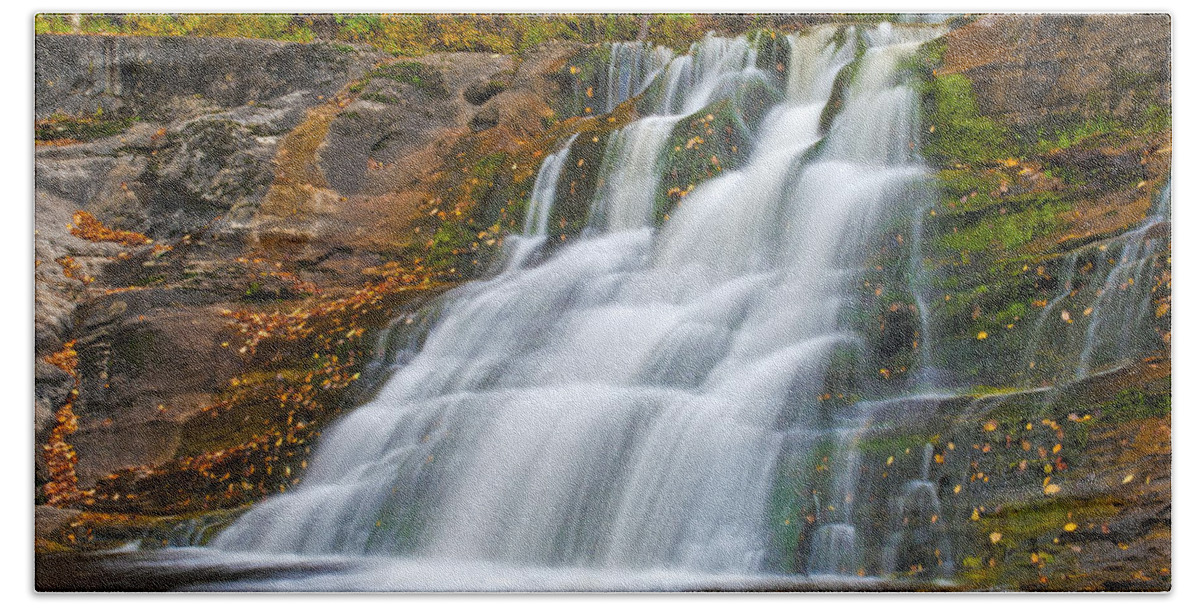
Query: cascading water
x,y
919,536
625,198
1122,304
623,404
519,248
1102,313
632,67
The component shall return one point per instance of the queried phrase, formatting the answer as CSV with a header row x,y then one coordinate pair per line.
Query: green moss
x,y
585,71
676,31
1155,117
1071,133
701,146
879,446
380,97
837,95
285,27
773,55
802,476
80,128
968,190
450,240
1135,404
1010,230
578,184
51,24
419,75
959,134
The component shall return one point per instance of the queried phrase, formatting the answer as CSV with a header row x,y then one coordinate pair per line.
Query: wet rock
x,y
1038,69
169,78
485,119
478,94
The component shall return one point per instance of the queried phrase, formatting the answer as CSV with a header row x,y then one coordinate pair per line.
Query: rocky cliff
x,y
254,176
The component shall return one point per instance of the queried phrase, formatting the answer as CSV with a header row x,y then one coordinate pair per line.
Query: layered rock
x,y
263,173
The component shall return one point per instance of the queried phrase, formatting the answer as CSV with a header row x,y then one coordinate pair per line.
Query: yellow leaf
x,y
1051,489
995,536
1071,526
975,515
982,336
990,426
1128,478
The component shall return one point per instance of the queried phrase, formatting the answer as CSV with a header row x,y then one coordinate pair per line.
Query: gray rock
x,y
148,77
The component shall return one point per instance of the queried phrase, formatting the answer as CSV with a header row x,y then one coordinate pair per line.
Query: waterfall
x,y
519,248
541,198
630,170
919,543
622,404
1121,307
1102,312
632,66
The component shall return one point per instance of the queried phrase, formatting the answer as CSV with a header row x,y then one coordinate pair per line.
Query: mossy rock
x,y
701,147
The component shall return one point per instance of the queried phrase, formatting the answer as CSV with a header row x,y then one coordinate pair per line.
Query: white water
x,y
520,248
1102,313
1122,304
632,67
621,405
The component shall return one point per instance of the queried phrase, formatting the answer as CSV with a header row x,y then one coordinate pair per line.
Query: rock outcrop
x,y
262,173
1037,70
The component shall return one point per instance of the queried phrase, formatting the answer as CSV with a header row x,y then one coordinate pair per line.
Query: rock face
x,y
1038,69
264,172
166,78
1061,483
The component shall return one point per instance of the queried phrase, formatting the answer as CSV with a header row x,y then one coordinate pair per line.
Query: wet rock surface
x,y
263,172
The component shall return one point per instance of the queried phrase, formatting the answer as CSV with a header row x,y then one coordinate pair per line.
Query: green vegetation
x,y
959,134
1073,133
289,28
700,148
1010,231
380,97
414,34
80,128
413,73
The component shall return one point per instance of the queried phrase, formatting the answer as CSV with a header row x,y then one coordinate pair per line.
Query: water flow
x,y
919,544
623,404
541,198
835,548
632,66
631,168
1122,307
926,375
520,248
